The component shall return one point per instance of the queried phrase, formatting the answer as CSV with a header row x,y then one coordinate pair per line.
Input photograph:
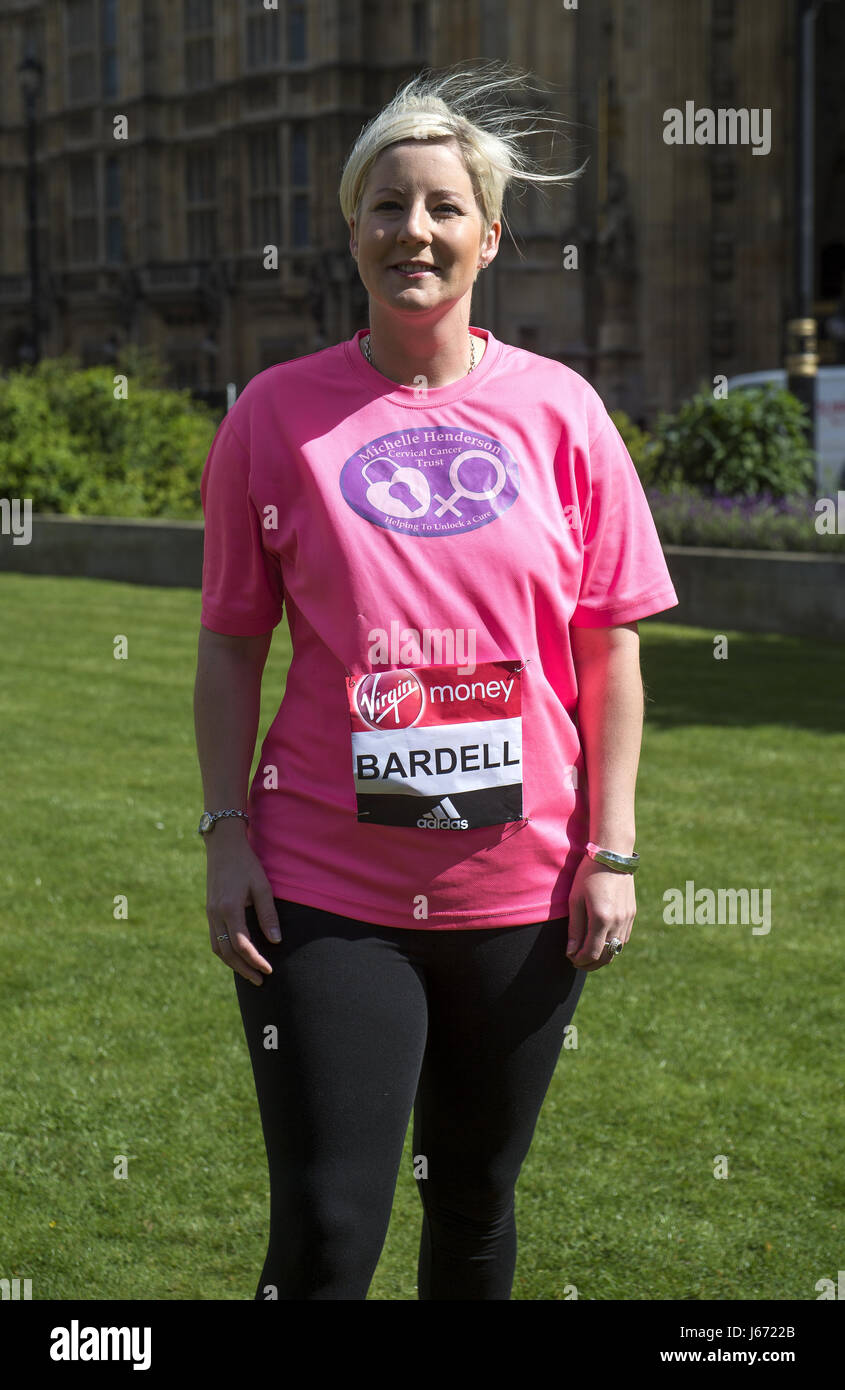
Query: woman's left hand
x,y
602,905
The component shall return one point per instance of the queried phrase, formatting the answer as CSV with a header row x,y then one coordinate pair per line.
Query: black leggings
x,y
465,1026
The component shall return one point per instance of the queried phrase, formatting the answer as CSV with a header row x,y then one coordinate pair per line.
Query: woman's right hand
x,y
235,877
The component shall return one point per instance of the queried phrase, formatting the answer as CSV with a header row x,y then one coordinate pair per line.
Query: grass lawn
x,y
122,1037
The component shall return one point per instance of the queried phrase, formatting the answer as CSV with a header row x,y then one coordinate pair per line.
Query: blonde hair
x,y
453,103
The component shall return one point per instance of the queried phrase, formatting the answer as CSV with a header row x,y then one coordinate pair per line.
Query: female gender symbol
x,y
461,491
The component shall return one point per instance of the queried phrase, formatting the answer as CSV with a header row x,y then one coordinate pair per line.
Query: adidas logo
x,y
443,816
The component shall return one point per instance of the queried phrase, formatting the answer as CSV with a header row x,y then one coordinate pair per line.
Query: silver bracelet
x,y
620,863
208,818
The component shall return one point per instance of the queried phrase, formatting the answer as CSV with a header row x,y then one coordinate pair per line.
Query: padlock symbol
x,y
400,491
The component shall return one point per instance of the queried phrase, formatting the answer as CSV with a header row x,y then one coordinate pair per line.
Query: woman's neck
x,y
439,362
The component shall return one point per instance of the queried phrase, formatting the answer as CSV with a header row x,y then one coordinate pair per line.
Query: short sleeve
x,y
624,575
242,587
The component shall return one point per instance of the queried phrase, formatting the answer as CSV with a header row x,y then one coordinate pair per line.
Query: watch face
x,y
205,822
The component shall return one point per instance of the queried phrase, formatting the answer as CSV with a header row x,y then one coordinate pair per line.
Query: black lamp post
x,y
31,72
802,360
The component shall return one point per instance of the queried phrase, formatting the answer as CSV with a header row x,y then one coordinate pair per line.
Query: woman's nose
x,y
414,223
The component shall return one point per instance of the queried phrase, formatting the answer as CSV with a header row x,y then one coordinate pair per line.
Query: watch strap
x,y
208,819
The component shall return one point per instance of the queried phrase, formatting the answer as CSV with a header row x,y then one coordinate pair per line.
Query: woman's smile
x,y
417,273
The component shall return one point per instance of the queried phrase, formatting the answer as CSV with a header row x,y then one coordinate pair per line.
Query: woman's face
x,y
418,205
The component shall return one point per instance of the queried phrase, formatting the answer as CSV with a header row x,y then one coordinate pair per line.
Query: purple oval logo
x,y
431,481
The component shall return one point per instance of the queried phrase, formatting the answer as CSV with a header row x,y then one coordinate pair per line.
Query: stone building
x,y
175,141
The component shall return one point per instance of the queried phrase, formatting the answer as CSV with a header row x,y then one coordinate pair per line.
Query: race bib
x,y
435,749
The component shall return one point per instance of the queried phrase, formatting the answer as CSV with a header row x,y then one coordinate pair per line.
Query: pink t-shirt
x,y
432,549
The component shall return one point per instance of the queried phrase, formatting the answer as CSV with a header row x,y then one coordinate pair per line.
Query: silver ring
x,y
224,937
614,946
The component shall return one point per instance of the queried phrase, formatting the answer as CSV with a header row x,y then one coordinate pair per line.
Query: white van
x,y
830,421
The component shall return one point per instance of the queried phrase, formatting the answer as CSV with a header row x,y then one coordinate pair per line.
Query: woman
x,y
410,898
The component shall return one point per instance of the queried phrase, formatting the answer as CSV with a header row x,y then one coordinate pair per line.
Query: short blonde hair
x,y
452,103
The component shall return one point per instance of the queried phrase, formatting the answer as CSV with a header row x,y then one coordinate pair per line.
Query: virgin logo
x,y
390,699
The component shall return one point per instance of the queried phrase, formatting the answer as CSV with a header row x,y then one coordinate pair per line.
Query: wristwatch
x,y
620,863
208,818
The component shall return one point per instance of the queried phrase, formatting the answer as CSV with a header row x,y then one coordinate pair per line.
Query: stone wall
x,y
740,590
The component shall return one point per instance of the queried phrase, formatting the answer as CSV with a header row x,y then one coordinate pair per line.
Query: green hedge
x,y
754,441
68,443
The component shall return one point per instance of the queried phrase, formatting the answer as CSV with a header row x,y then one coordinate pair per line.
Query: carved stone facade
x,y
176,141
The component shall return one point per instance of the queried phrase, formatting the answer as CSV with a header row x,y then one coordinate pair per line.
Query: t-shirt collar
x,y
382,388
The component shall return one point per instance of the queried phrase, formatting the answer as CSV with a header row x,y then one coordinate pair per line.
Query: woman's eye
x,y
391,203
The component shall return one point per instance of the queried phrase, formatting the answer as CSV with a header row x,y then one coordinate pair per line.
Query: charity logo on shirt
x,y
431,480
437,749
